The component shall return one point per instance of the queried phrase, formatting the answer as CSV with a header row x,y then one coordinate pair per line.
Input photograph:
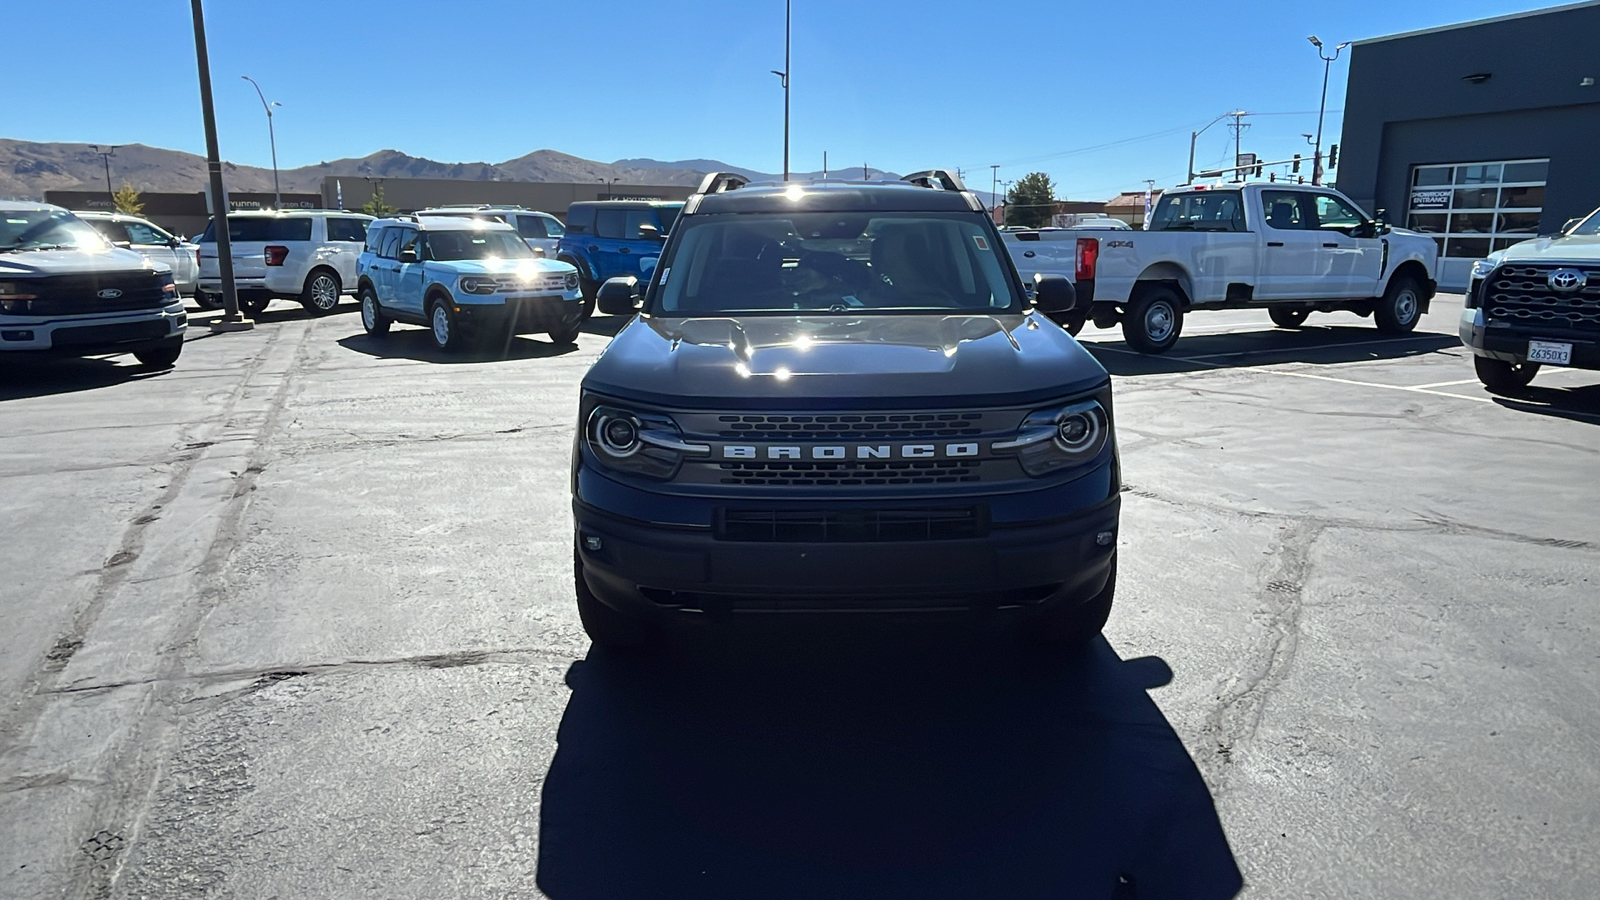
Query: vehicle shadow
x,y
774,770
417,344
1578,404
607,326
1317,345
43,376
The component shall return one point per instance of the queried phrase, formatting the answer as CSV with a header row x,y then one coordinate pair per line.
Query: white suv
x,y
150,241
539,230
308,255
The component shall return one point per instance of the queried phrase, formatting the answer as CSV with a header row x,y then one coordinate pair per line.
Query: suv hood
x,y
531,265
1577,247
35,263
882,361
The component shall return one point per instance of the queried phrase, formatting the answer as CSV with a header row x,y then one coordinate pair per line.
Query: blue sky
x,y
901,85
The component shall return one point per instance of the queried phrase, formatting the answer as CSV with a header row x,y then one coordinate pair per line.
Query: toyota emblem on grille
x,y
109,294
1567,279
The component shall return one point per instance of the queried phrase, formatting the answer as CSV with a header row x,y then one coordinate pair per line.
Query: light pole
x,y
230,320
277,202
105,157
784,77
1327,63
608,182
994,189
1195,136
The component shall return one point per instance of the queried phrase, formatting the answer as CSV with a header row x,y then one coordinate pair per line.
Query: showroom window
x,y
1473,209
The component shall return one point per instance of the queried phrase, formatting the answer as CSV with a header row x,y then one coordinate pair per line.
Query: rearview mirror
x,y
620,296
649,232
408,254
1053,294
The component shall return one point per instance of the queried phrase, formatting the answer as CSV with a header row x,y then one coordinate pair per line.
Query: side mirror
x,y
649,232
174,243
1053,294
126,245
408,254
620,296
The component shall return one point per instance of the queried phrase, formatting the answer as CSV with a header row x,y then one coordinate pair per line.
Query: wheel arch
x,y
577,261
1415,270
324,267
1168,273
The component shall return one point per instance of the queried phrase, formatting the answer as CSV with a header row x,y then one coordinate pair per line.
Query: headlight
x,y
572,281
479,284
647,444
1483,267
14,297
1059,437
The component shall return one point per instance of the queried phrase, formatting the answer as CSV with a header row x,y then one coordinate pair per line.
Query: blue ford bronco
x,y
839,397
464,280
609,238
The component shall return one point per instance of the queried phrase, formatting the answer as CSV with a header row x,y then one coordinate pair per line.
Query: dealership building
x,y
1481,134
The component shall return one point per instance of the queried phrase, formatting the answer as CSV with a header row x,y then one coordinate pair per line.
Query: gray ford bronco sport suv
x,y
837,397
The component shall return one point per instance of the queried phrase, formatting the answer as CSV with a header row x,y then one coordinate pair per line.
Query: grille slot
x,y
1522,295
851,426
841,526
931,471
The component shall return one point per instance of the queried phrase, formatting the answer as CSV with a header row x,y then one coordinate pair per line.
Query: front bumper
x,y
665,568
523,312
121,332
1508,342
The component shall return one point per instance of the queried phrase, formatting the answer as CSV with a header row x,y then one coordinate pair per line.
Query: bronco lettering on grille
x,y
850,451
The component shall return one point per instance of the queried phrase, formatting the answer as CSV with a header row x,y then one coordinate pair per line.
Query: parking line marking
x,y
1270,371
1439,384
1312,347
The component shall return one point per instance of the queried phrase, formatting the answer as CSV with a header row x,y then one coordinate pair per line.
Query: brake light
x,y
275,255
1088,258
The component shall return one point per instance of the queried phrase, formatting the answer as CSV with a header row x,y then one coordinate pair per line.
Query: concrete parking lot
x,y
295,620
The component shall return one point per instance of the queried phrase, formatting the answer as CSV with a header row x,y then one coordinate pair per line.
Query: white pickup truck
x,y
1290,249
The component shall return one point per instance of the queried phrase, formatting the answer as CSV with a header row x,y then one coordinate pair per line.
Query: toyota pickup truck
x,y
1290,249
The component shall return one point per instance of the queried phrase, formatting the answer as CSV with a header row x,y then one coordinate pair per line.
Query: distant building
x,y
1482,134
1129,207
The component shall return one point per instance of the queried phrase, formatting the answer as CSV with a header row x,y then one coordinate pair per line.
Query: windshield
x,y
37,229
1590,225
451,245
836,262
668,213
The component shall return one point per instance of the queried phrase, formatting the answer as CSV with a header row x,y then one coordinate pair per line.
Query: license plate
x,y
1547,352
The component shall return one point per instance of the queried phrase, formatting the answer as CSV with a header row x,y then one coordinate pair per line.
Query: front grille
x,y
69,295
931,471
1521,294
854,525
849,426
545,284
114,333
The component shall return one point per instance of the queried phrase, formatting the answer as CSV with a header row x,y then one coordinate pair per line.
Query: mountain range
x,y
28,169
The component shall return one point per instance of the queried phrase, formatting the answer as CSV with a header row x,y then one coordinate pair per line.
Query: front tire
x,y
372,317
1400,307
1153,320
207,301
321,293
1502,377
1288,316
161,357
604,625
255,304
569,329
445,327
1077,625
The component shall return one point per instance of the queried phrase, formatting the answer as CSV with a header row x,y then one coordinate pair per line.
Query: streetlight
x,y
1195,136
105,157
230,320
608,182
994,189
784,77
1327,62
277,202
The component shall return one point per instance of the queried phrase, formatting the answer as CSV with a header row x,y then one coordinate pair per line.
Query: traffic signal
x,y
1333,156
1258,170
1296,166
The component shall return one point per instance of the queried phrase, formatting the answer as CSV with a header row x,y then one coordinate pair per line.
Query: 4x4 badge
x,y
1567,279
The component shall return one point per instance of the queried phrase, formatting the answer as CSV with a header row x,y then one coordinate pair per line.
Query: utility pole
x,y
277,200
994,189
864,175
1238,127
1195,136
1327,62
824,165
105,157
230,320
784,76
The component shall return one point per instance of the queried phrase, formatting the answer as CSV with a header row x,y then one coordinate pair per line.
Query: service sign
x,y
1431,199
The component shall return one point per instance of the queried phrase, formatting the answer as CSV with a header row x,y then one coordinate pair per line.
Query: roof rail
x,y
938,179
721,182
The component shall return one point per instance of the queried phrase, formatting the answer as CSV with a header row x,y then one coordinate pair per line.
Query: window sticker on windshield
x,y
665,274
851,300
979,240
